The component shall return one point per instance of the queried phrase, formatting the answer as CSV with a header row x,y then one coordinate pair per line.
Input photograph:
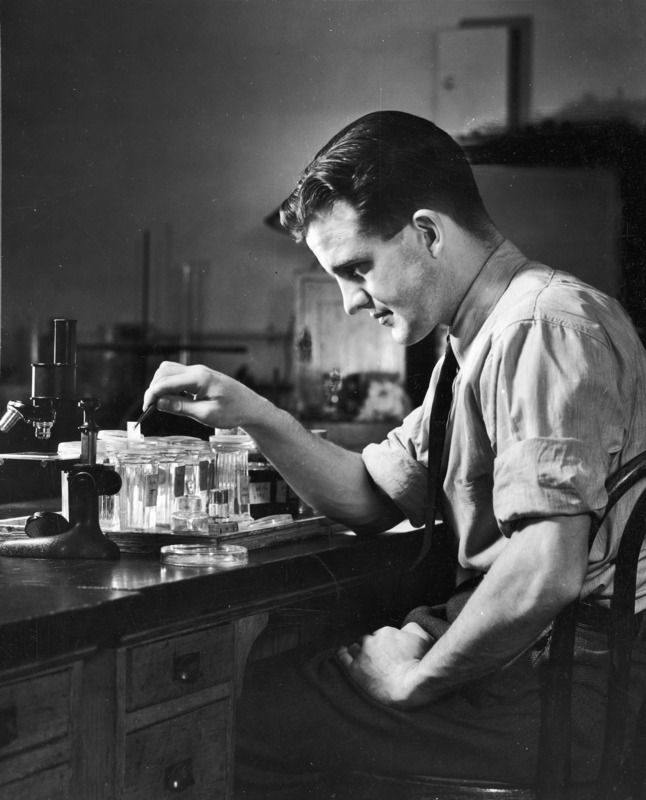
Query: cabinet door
x,y
328,339
35,737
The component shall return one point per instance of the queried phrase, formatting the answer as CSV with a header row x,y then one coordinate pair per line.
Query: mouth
x,y
382,317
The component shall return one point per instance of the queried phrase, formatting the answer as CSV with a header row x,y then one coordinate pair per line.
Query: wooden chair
x,y
617,778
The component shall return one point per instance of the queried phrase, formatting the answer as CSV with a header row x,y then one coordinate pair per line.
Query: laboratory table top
x,y
53,608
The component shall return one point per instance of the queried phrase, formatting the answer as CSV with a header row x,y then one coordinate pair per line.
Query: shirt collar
x,y
495,276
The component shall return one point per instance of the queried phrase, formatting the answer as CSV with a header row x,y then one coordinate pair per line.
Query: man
x,y
549,401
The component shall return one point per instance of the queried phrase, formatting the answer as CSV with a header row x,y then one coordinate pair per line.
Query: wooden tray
x,y
151,542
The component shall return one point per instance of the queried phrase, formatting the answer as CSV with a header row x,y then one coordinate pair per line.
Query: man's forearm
x,y
331,479
541,569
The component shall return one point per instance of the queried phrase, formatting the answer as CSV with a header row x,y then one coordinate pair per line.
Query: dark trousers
x,y
302,722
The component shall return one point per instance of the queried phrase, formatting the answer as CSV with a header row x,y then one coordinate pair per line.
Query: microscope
x,y
50,535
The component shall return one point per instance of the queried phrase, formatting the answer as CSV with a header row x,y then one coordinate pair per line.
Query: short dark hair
x,y
387,165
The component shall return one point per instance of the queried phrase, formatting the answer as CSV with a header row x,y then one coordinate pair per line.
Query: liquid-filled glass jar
x,y
138,495
171,477
188,516
199,470
109,503
231,473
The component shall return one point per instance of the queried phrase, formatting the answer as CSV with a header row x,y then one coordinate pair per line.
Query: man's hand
x,y
331,479
202,394
385,665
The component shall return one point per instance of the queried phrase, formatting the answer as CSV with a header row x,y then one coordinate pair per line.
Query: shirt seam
x,y
555,323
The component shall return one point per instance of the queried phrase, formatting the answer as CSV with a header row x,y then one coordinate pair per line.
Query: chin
x,y
404,338
399,336
408,337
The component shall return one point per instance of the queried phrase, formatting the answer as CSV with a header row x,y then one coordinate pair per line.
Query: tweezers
x,y
146,413
151,408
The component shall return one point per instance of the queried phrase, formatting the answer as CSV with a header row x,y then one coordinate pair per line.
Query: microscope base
x,y
81,541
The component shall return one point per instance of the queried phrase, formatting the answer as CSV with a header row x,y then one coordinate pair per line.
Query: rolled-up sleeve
x,y
395,467
552,408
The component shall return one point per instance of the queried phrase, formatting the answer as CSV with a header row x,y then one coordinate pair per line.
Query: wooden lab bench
x,y
118,678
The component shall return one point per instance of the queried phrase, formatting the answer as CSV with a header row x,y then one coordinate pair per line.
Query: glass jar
x,y
269,493
171,477
109,503
231,473
138,495
199,470
219,505
189,516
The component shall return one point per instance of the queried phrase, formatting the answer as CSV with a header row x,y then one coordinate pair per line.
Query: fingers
x,y
174,379
180,404
413,627
344,656
347,655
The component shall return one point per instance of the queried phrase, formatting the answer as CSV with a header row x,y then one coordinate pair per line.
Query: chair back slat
x,y
621,637
554,750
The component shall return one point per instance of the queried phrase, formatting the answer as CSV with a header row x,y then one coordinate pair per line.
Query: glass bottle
x,y
189,516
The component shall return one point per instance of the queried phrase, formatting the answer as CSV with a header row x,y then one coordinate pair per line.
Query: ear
x,y
429,224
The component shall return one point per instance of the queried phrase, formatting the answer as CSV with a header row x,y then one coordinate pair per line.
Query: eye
x,y
357,271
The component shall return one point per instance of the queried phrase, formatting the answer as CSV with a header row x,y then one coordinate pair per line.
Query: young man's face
x,y
396,281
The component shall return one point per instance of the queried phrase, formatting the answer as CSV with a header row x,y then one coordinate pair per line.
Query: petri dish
x,y
199,555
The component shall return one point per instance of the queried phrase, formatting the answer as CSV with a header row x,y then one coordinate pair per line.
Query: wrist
x,y
260,416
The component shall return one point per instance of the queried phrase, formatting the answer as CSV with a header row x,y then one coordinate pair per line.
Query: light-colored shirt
x,y
550,401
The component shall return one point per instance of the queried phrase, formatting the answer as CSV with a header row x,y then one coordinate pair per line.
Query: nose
x,y
354,297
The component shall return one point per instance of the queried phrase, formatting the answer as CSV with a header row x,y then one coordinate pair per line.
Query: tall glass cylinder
x,y
171,477
171,480
138,496
206,465
231,473
198,456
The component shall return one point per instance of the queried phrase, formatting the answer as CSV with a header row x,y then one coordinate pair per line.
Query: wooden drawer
x,y
34,711
179,665
184,756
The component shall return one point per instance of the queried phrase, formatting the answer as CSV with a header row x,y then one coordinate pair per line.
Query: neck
x,y
468,259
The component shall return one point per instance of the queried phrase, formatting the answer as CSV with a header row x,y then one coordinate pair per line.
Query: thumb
x,y
183,406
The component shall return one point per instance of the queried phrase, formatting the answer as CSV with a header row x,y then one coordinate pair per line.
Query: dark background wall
x,y
190,119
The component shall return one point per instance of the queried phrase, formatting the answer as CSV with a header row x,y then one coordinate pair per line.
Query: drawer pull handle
x,y
179,777
8,725
187,668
